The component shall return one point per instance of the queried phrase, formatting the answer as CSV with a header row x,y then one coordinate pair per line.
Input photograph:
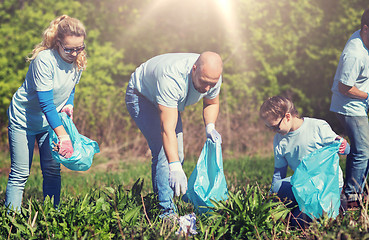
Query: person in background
x,y
157,92
55,68
295,138
350,101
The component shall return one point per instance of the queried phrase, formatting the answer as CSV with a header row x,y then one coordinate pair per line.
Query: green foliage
x,y
97,205
247,214
22,24
269,47
101,89
274,35
101,214
115,213
261,173
354,225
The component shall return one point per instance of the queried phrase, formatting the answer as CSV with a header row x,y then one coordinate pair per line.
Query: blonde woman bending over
x,y
55,68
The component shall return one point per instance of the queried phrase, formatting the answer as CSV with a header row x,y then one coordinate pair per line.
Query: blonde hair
x,y
60,28
276,107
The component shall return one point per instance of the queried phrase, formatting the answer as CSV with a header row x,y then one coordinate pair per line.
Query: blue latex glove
x,y
212,133
177,178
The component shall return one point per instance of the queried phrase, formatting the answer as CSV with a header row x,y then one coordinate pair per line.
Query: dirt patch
x,y
4,171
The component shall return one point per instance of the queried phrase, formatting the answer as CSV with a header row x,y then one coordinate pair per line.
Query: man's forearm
x,y
170,146
210,110
168,121
352,92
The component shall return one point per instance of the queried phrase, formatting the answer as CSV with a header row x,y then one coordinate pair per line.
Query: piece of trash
x,y
187,224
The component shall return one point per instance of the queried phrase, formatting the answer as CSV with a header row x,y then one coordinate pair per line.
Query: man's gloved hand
x,y
344,148
68,109
212,133
177,178
65,147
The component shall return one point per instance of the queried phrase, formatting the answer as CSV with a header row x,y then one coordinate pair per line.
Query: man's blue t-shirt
x,y
352,70
48,71
166,80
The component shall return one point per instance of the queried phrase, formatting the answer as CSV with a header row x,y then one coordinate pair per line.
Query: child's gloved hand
x,y
344,148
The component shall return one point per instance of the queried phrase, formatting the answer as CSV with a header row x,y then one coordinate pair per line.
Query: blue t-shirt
x,y
290,149
166,80
48,71
352,70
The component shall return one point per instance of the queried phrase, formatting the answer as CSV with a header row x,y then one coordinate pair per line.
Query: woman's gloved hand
x,y
68,109
64,147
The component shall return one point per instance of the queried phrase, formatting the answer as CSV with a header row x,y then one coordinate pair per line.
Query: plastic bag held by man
x,y
315,182
84,148
207,180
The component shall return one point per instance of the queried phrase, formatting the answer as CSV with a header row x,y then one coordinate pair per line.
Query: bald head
x,y
210,63
206,71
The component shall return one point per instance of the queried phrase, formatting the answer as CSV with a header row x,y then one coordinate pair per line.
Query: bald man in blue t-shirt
x,y
157,92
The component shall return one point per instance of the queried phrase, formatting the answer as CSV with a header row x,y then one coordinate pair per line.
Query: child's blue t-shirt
x,y
290,149
166,80
48,71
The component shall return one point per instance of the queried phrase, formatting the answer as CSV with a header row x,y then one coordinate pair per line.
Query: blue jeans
x,y
146,116
283,189
21,145
357,162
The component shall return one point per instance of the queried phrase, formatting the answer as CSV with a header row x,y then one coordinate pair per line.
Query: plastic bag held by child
x,y
207,180
84,148
315,183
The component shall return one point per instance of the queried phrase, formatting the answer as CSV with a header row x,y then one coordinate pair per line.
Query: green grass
x,y
105,173
109,202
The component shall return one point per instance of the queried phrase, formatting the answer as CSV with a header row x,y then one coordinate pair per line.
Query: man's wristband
x,y
210,127
175,166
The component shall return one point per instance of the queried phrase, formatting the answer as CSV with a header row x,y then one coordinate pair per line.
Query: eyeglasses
x,y
78,50
276,127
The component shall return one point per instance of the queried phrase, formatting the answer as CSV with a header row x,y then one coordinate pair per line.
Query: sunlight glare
x,y
223,3
230,23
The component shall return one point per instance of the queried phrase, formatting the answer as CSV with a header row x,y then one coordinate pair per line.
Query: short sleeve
x,y
42,74
350,70
169,91
327,135
79,76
